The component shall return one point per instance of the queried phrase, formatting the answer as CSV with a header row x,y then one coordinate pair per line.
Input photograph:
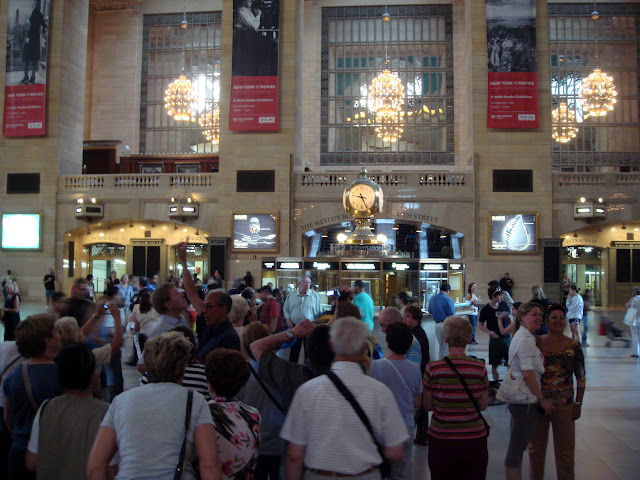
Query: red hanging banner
x,y
254,63
26,68
512,98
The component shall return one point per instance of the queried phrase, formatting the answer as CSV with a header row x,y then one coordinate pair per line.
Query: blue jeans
x,y
473,320
585,328
113,372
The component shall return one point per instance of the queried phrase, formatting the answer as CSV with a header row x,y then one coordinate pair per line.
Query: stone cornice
x,y
109,5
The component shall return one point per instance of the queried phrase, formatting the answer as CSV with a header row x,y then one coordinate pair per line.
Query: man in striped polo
x,y
325,433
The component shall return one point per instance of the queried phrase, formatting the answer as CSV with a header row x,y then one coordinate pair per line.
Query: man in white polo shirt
x,y
325,433
303,304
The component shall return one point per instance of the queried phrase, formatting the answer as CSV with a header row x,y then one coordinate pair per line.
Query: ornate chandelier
x,y
598,93
388,125
564,121
181,99
598,90
387,97
210,122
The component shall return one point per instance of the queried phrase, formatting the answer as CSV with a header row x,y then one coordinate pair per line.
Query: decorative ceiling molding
x,y
108,5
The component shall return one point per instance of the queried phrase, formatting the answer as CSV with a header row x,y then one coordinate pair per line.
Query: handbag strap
x,y
401,378
346,393
266,390
466,389
9,365
187,421
27,386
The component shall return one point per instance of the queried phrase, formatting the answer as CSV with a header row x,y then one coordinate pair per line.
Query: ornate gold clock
x,y
362,199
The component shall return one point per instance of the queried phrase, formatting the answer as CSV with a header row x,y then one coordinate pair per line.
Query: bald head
x,y
388,316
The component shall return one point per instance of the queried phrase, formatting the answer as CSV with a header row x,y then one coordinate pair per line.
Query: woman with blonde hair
x,y
146,425
237,314
544,302
457,432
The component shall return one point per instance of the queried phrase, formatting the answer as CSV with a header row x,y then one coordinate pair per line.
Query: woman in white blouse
x,y
634,324
526,361
474,299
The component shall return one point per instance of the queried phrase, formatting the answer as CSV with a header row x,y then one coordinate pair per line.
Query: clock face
x,y
362,197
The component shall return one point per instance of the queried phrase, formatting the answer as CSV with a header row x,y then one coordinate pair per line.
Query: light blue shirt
x,y
405,382
441,307
300,307
365,303
415,352
150,445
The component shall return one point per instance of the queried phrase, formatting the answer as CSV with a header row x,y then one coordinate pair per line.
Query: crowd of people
x,y
223,394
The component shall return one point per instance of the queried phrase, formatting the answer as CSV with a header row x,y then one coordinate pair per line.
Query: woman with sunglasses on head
x,y
563,359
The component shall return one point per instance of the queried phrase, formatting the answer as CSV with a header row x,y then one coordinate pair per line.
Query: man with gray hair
x,y
320,412
301,305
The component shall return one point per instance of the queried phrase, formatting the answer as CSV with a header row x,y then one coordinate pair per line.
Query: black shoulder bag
x,y
266,390
385,466
187,421
471,397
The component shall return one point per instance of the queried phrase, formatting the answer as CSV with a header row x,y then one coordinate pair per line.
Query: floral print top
x,y
559,370
238,434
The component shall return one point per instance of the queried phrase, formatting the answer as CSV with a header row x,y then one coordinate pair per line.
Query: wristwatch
x,y
290,334
578,403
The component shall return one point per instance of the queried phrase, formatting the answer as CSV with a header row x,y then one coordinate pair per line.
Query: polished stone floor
x,y
608,434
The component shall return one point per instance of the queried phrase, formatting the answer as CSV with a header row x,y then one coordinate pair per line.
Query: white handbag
x,y
515,390
630,317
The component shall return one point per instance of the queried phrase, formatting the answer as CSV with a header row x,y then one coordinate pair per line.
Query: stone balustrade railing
x,y
605,180
135,182
438,180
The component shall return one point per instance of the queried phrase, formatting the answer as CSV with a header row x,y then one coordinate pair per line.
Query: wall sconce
x,y
589,210
88,210
183,208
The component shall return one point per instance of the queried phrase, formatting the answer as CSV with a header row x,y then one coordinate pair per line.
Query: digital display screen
x,y
255,231
514,233
21,231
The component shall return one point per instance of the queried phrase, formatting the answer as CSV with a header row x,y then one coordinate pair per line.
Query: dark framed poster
x,y
26,68
255,232
254,65
513,233
512,97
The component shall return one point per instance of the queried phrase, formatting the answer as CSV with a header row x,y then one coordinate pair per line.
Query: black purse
x,y
187,421
385,466
471,397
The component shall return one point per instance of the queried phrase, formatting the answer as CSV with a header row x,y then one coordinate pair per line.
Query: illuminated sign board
x,y
433,266
289,265
517,233
361,266
21,231
268,265
255,231
400,266
320,265
455,266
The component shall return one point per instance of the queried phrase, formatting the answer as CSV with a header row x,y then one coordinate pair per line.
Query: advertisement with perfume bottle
x,y
517,233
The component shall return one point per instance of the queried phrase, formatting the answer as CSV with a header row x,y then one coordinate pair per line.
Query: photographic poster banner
x,y
254,65
512,98
517,233
26,68
255,231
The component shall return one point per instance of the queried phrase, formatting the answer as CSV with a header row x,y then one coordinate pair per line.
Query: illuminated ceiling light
x,y
81,200
598,90
564,124
122,229
613,229
582,199
387,95
388,125
567,237
324,235
636,229
382,238
395,226
598,93
181,99
142,227
184,229
600,200
210,123
93,200
341,237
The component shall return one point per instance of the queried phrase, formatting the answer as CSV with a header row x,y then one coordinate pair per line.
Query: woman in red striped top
x,y
457,435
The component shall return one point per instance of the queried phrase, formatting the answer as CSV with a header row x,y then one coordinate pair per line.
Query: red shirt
x,y
272,308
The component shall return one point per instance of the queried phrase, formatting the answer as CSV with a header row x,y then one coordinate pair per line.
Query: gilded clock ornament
x,y
362,199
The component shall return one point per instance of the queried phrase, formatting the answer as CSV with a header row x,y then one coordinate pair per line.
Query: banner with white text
x,y
26,68
254,65
511,60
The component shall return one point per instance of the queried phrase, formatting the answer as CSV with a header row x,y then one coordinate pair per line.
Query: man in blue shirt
x,y
441,307
364,302
301,305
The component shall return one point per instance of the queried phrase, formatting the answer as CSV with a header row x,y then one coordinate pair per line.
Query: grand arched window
x,y
420,48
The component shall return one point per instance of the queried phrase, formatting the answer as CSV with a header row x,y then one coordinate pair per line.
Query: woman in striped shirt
x,y
457,435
